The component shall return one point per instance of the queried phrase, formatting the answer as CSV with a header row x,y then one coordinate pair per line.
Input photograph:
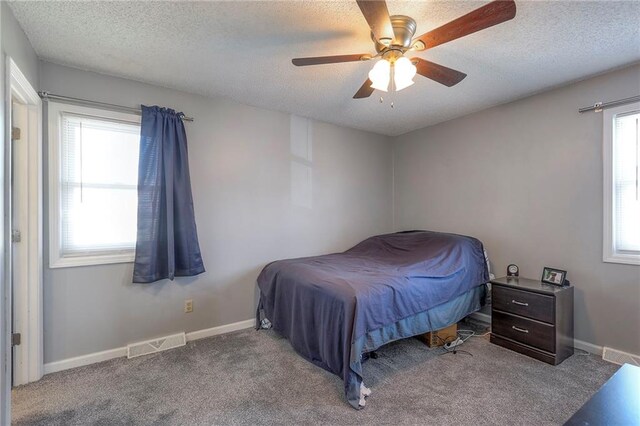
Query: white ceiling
x,y
243,51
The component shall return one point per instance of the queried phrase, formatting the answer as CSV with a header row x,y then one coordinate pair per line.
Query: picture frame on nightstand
x,y
554,276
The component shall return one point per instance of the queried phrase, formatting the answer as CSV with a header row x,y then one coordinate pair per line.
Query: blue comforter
x,y
332,308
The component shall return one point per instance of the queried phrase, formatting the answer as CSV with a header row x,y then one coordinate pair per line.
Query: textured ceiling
x,y
243,51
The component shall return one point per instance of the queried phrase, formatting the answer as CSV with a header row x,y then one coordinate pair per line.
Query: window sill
x,y
91,260
627,259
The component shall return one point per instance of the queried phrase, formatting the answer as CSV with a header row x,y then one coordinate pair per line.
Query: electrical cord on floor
x,y
455,350
467,334
464,335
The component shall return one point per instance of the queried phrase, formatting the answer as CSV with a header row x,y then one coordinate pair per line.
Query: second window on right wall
x,y
621,156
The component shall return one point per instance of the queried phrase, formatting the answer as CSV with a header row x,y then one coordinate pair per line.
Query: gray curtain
x,y
167,244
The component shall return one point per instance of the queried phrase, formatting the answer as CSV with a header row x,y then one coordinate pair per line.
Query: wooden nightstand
x,y
533,318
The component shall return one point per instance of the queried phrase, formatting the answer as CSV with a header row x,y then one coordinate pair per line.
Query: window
x,y
621,185
93,177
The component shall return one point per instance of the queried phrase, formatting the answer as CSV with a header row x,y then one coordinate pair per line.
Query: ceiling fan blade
x,y
491,14
377,16
318,60
364,91
443,75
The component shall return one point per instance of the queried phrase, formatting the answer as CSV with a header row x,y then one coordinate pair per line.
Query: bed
x,y
335,308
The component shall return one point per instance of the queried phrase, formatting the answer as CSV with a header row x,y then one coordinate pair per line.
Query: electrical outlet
x,y
188,306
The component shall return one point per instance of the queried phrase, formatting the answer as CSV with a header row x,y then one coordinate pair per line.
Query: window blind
x,y
98,184
626,189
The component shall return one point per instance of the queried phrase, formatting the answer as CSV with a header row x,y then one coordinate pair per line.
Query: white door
x,y
19,210
26,256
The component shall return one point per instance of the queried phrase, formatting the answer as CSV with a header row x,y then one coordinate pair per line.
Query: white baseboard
x,y
586,346
92,358
82,360
214,331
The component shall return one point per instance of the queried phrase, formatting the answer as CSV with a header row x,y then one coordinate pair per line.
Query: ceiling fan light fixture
x,y
380,75
403,73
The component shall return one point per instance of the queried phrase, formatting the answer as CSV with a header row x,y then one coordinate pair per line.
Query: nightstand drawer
x,y
529,332
525,303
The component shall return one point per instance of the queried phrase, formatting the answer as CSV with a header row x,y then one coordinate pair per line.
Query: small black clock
x,y
513,270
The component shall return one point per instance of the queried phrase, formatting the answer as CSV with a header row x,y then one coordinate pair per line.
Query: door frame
x,y
28,361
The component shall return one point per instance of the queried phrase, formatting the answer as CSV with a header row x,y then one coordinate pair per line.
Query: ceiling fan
x,y
393,37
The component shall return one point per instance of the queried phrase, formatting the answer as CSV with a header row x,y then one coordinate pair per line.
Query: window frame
x,y
56,258
609,253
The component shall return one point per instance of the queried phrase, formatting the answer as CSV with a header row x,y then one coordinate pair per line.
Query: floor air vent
x,y
619,357
156,345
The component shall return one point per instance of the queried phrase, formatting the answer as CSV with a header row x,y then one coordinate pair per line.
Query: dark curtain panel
x,y
167,244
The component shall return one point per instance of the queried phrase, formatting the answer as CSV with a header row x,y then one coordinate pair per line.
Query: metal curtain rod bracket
x,y
68,99
599,106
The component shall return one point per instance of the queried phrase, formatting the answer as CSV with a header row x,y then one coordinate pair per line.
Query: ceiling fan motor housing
x,y
404,28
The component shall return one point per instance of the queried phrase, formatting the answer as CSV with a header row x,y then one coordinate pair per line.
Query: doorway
x,y
23,204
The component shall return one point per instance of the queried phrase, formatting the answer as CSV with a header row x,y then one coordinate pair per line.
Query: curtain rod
x,y
46,96
599,106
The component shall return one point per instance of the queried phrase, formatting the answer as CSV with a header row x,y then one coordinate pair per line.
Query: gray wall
x,y
526,179
16,44
240,161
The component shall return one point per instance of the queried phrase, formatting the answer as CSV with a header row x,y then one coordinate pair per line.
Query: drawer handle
x,y
520,303
521,330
